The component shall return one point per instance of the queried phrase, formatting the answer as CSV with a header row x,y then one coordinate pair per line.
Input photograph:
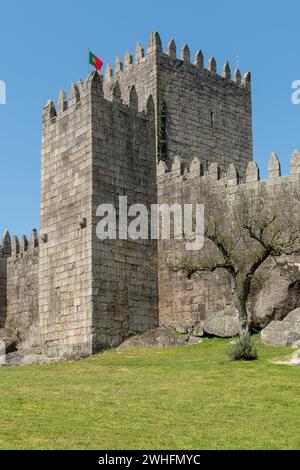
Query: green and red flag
x,y
95,61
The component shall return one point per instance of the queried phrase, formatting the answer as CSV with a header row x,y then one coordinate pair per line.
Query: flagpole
x,y
88,61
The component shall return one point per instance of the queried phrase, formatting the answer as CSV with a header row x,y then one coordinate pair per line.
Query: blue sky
x,y
43,47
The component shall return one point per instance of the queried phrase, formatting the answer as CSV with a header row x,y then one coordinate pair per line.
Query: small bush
x,y
243,349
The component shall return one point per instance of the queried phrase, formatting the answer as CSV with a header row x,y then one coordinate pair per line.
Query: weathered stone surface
x,y
223,324
3,291
280,294
162,337
22,288
30,337
198,330
181,329
194,340
285,332
29,357
10,340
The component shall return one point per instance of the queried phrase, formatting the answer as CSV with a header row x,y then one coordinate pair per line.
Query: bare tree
x,y
242,232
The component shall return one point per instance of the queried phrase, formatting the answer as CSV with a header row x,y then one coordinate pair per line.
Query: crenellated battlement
x,y
15,247
197,173
155,45
109,87
94,85
219,104
5,248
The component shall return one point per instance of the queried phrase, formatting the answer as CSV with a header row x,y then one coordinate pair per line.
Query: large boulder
x,y
283,333
29,357
162,337
224,324
279,295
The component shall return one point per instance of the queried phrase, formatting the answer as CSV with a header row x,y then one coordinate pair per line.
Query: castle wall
x,y
125,297
92,294
84,293
76,293
184,302
142,73
3,284
22,290
198,112
65,273
5,252
206,115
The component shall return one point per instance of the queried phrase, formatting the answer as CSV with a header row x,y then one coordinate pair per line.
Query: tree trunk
x,y
241,307
240,303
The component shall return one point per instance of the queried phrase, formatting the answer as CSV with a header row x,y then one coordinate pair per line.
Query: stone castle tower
x,y
69,291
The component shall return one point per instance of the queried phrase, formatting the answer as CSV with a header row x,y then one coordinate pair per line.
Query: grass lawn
x,y
188,397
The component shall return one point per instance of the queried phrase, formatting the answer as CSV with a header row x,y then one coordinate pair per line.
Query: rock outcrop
x,y
162,337
224,324
279,295
285,332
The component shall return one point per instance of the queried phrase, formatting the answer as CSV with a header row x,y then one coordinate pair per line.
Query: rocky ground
x,y
11,353
162,337
30,357
223,324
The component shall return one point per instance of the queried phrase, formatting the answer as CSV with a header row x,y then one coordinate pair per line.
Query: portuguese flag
x,y
95,61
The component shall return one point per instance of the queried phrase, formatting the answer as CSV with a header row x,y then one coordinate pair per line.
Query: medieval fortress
x,y
154,130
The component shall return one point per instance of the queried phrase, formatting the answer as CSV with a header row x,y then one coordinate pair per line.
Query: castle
x,y
65,289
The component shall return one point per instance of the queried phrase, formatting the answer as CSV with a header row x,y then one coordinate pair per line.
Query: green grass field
x,y
189,397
